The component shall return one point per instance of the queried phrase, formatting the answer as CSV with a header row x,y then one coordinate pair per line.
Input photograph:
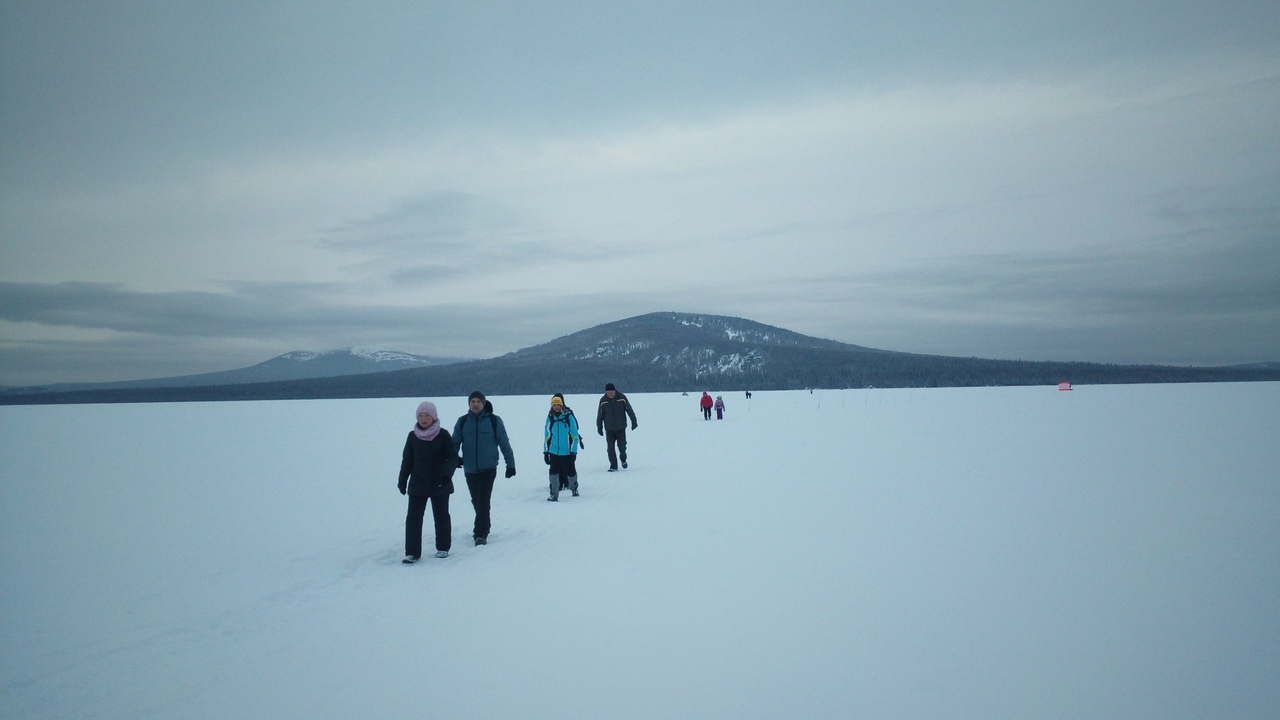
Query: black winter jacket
x,y
429,465
613,414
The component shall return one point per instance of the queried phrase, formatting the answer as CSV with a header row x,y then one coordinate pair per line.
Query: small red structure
x,y
1063,386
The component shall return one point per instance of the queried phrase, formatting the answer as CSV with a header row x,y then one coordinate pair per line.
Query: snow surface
x,y
1110,552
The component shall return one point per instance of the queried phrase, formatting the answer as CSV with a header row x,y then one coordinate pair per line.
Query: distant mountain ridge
x,y
672,351
345,361
296,365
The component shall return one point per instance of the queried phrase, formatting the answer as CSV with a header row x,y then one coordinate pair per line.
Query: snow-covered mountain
x,y
334,363
297,365
685,342
657,352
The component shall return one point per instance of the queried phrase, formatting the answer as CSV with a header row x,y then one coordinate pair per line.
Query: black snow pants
x,y
620,438
413,523
481,487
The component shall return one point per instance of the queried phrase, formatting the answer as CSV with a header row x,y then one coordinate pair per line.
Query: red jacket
x,y
706,401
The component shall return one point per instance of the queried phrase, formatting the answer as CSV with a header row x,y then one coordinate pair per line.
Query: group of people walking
x,y
707,404
431,456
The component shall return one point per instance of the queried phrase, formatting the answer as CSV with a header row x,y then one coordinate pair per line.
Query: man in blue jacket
x,y
479,435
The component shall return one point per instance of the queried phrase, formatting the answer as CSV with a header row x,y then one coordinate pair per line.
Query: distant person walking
x,y
560,448
611,421
719,407
480,435
705,403
426,475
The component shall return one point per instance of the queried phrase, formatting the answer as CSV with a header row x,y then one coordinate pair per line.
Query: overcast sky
x,y
191,186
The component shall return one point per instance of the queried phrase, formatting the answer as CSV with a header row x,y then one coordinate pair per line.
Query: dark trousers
x,y
620,438
564,474
413,523
481,486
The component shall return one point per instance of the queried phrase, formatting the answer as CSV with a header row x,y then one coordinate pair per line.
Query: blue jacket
x,y
560,434
479,437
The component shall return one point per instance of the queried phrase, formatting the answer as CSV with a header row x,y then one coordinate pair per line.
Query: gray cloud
x,y
37,362
248,311
455,233
1174,278
130,86
446,221
1183,300
1186,299
1074,180
1205,290
252,322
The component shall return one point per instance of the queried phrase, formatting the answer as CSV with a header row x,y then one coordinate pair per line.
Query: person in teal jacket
x,y
560,448
480,435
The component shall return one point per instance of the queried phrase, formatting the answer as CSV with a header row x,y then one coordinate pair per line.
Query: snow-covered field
x,y
1110,552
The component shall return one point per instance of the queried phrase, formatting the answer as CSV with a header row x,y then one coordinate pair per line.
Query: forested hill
x,y
669,351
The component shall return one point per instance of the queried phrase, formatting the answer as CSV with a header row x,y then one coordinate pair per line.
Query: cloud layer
x,y
207,184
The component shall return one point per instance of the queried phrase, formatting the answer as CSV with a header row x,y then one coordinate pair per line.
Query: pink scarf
x,y
427,433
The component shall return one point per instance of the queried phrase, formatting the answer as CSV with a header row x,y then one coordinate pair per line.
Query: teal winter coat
x,y
479,438
560,434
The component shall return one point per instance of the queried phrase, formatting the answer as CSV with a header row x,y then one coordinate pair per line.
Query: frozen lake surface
x,y
1110,552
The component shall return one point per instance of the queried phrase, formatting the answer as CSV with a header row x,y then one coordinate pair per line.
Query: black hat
x,y
475,394
609,386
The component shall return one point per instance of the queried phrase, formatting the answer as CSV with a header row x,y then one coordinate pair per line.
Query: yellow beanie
x,y
557,401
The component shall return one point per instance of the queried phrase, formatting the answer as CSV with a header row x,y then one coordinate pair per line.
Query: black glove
x,y
511,471
600,431
633,426
546,458
404,489
459,461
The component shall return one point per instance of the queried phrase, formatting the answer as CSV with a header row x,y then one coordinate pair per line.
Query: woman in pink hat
x,y
426,475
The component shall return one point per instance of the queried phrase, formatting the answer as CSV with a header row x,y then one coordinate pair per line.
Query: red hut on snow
x,y
1063,386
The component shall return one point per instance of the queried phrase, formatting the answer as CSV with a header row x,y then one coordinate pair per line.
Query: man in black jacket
x,y
611,418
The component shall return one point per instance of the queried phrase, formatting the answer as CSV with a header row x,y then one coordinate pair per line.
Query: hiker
x,y
560,448
582,443
480,435
705,403
426,475
719,407
611,421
